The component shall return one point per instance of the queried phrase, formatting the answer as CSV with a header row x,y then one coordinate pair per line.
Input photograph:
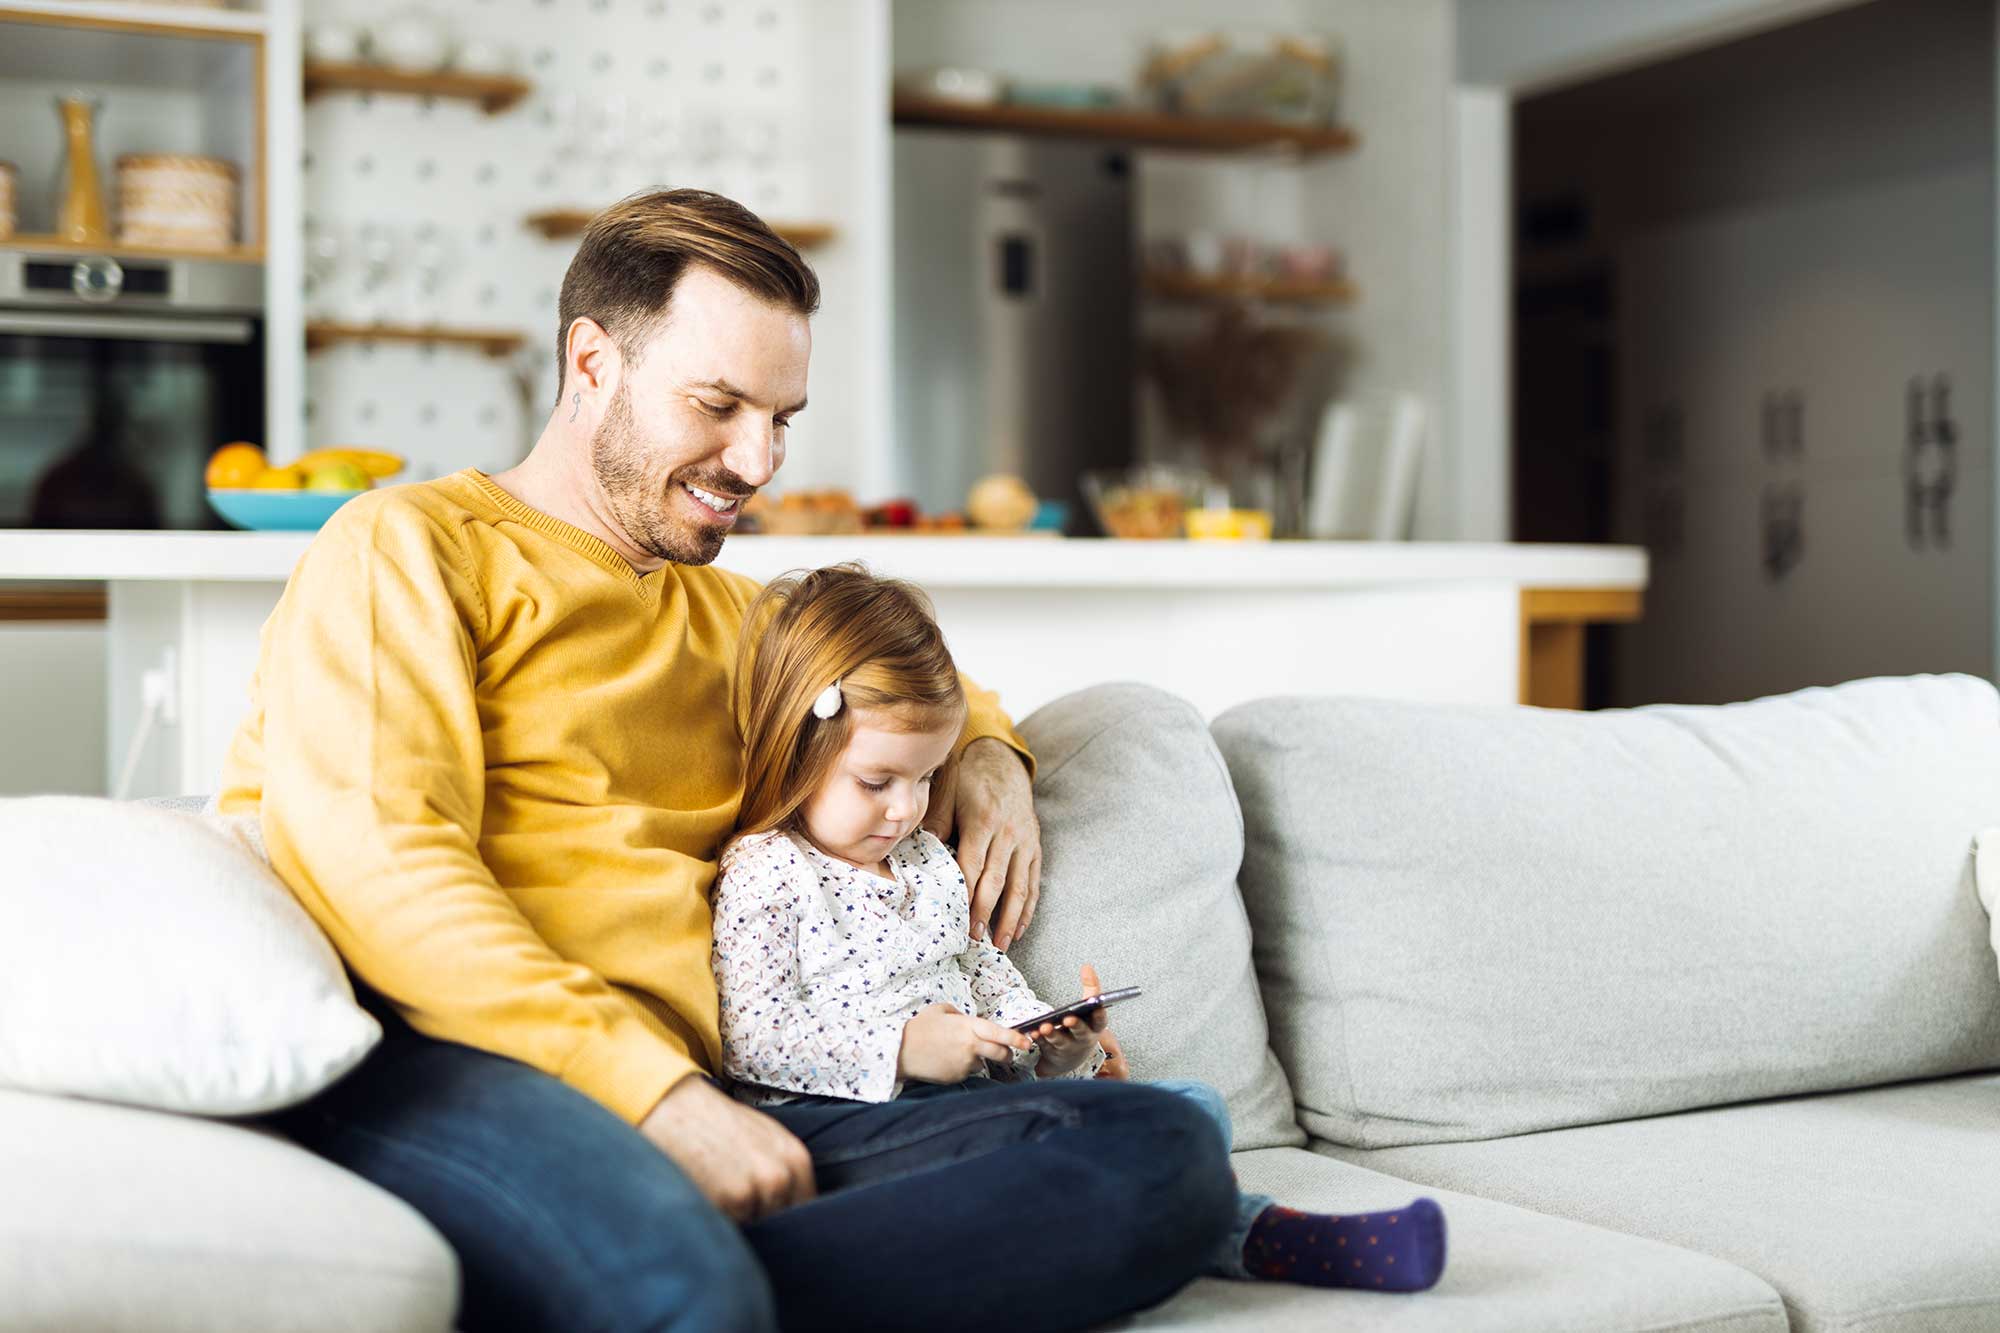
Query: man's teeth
x,y
712,500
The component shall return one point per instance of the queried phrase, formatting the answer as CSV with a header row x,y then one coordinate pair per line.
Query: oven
x,y
118,378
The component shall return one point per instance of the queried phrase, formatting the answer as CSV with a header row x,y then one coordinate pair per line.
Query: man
x,y
493,753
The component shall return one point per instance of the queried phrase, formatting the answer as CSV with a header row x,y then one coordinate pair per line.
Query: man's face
x,y
697,424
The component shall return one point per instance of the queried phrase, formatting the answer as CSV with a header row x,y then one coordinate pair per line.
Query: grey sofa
x,y
1686,1017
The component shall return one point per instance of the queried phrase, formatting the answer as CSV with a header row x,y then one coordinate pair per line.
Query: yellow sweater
x,y
497,765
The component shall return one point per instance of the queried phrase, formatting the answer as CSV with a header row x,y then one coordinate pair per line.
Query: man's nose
x,y
753,453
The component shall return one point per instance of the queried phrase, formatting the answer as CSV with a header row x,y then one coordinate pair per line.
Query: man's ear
x,y
591,360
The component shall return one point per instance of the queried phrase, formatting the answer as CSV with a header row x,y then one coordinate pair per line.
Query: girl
x,y
842,957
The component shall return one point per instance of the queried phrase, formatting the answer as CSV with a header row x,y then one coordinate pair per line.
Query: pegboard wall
x,y
426,200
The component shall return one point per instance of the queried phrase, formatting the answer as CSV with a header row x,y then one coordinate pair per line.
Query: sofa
x,y
1688,1017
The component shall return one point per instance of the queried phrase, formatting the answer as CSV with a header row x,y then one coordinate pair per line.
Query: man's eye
x,y
782,423
713,409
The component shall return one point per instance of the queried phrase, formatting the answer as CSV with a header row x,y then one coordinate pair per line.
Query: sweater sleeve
x,y
773,1035
986,720
373,795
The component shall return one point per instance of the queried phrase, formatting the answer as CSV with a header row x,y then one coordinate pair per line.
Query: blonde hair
x,y
876,636
633,254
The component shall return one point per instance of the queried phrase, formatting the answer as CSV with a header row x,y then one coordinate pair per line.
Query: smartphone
x,y
1080,1008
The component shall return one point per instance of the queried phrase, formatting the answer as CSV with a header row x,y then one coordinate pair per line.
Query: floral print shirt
x,y
818,965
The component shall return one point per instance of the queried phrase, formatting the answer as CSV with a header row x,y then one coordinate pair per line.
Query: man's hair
x,y
876,636
633,255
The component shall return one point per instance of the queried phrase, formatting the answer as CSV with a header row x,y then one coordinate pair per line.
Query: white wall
x,y
1383,204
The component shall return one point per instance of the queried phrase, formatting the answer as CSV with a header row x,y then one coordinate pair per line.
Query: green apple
x,y
338,477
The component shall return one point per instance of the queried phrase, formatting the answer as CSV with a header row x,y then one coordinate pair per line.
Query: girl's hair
x,y
804,631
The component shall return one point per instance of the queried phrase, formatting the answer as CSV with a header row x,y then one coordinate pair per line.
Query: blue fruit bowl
x,y
278,511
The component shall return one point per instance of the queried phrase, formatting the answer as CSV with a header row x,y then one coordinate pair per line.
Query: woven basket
x,y
177,201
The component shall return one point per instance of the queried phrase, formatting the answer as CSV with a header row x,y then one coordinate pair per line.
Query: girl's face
x,y
877,791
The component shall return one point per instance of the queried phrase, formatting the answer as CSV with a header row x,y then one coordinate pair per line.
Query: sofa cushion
x,y
1483,921
120,1219
151,957
1871,1209
1141,840
1507,1270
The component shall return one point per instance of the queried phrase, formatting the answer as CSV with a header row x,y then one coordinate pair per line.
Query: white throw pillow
x,y
151,957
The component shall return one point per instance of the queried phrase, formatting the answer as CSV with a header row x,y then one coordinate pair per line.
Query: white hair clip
x,y
828,702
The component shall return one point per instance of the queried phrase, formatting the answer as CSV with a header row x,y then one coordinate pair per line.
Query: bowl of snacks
x,y
1146,502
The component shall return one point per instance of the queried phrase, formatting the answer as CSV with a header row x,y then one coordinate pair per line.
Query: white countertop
x,y
954,562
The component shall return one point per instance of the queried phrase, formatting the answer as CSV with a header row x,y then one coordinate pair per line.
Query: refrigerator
x,y
1014,313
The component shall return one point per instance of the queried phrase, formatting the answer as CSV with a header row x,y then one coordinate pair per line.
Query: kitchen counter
x,y
1034,618
957,562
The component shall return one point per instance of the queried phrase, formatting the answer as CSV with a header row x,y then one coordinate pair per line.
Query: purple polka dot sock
x,y
1398,1251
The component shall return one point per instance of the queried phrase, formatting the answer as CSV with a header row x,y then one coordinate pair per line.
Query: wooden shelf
x,y
493,92
44,244
559,223
1141,129
494,342
1247,287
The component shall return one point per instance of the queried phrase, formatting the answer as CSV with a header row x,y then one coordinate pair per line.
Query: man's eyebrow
x,y
730,390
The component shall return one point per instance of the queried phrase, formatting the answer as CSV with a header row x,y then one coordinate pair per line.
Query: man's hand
x,y
991,803
746,1163
1115,1065
942,1045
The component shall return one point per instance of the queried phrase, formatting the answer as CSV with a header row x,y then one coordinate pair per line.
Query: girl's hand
x,y
942,1045
1066,1047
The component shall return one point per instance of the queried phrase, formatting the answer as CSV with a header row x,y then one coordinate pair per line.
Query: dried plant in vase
x,y
1220,388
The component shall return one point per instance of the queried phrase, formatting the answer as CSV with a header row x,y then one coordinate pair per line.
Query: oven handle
x,y
148,328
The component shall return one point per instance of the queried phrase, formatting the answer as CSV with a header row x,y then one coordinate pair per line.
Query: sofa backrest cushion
x,y
1141,840
1473,922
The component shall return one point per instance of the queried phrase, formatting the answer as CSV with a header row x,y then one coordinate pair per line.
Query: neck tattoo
x,y
575,405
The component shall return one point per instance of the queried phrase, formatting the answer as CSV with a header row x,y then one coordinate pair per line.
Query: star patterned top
x,y
818,965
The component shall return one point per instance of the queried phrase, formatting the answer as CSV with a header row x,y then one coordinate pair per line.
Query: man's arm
x,y
373,796
988,800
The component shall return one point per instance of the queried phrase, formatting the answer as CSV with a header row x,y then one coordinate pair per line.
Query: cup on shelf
x,y
326,247
411,39
380,250
431,254
480,55
333,43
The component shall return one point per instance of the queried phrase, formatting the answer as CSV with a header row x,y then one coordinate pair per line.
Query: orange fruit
x,y
235,466
278,479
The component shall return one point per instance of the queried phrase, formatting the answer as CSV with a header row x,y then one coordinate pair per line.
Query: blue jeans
x,y
1053,1205
1227,1258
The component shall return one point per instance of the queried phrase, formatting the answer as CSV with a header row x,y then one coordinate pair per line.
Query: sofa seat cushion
x,y
114,1218
1872,1209
1508,1271
1141,840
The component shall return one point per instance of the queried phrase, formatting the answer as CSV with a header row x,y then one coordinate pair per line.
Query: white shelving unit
x,y
166,18
172,78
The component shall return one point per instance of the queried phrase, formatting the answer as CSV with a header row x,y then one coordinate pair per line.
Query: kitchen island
x,y
1034,618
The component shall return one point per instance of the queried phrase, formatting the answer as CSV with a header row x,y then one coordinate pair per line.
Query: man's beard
x,y
641,492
